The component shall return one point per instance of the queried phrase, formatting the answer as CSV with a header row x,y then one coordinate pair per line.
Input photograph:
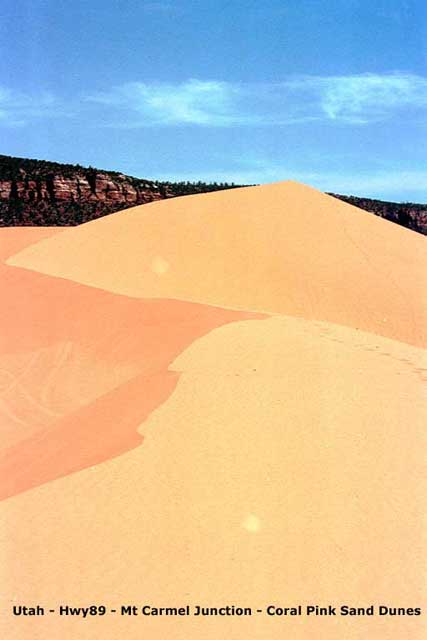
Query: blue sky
x,y
329,92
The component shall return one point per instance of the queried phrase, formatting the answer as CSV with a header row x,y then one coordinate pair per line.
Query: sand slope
x,y
283,248
165,444
288,466
81,368
13,239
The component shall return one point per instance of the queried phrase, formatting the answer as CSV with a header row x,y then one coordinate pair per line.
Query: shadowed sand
x,y
284,248
287,467
81,368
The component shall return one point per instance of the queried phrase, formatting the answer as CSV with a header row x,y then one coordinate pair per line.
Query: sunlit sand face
x,y
284,464
159,266
276,470
281,248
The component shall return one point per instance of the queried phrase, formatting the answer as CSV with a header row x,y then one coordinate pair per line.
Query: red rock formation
x,y
78,189
49,194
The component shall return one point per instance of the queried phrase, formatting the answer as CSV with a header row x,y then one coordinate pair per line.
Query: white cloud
x,y
195,101
352,99
199,102
364,98
349,100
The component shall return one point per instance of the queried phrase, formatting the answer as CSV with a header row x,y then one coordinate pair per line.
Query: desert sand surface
x,y
281,248
72,361
213,429
288,466
13,239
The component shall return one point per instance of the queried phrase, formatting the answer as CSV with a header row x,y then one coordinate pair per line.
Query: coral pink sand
x,y
283,459
81,368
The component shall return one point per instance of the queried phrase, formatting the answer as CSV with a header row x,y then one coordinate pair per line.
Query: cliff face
x,y
97,187
49,194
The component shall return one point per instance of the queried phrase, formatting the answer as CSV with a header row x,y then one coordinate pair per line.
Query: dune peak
x,y
283,247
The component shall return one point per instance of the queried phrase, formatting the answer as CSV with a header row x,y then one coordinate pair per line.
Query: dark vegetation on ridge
x,y
42,193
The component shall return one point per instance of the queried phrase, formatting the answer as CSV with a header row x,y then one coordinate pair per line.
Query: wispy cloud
x,y
362,99
199,102
18,108
348,100
352,99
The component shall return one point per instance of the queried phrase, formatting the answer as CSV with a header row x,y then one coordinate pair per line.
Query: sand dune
x,y
81,368
215,400
13,239
282,248
288,466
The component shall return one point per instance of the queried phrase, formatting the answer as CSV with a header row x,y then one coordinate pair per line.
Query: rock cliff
x,y
43,193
